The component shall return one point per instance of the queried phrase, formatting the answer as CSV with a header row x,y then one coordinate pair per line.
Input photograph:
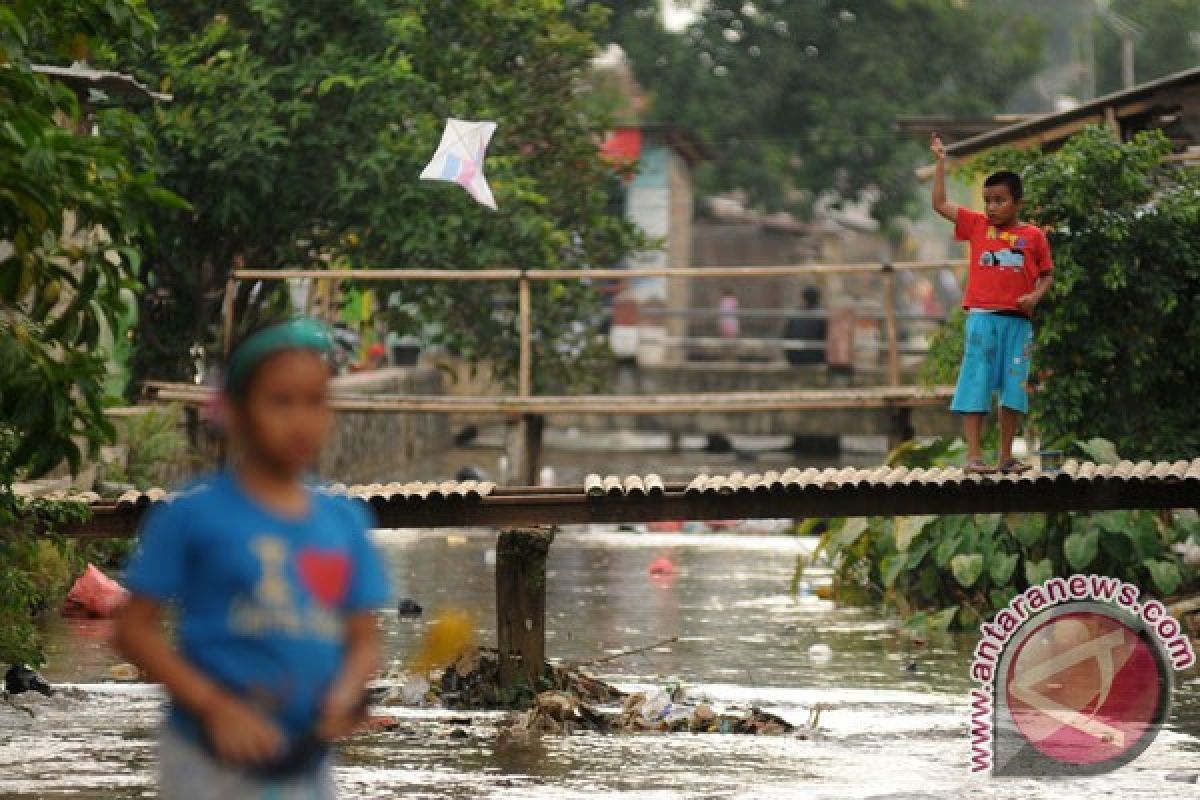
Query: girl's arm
x,y
237,731
344,704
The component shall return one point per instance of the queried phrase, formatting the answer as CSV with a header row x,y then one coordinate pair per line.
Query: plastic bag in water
x,y
96,594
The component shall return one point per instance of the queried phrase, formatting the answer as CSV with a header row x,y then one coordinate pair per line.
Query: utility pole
x,y
1129,32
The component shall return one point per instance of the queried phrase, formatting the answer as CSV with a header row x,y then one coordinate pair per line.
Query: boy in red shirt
x,y
1008,275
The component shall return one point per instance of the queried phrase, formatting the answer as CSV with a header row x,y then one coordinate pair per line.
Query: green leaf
x,y
1001,568
852,529
987,524
1099,450
1112,521
946,549
908,528
1028,529
929,582
1165,575
1038,571
1117,545
807,527
917,553
1144,534
1081,547
967,567
942,620
1001,597
325,86
890,568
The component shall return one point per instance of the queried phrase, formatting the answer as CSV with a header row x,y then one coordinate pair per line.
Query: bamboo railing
x,y
525,277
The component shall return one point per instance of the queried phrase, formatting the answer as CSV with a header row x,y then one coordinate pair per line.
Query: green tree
x,y
1171,42
801,98
72,204
620,12
299,130
1118,339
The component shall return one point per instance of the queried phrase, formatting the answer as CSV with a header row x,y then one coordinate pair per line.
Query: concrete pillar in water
x,y
521,603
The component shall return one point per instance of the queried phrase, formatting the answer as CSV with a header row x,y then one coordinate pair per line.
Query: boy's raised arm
x,y
940,204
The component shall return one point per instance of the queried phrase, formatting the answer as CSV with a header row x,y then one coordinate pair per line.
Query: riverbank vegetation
x,y
953,571
73,220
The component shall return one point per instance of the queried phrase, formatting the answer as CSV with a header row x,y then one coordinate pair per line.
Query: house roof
x,y
954,129
1054,127
81,78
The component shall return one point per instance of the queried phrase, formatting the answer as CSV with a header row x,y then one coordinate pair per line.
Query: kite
x,y
459,158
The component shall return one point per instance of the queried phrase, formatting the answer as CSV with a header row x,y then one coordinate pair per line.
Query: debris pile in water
x,y
567,700
558,712
472,682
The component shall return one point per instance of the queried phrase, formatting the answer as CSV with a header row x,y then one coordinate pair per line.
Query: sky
x,y
676,15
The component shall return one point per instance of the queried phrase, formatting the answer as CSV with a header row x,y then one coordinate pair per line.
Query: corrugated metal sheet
x,y
794,492
372,492
793,479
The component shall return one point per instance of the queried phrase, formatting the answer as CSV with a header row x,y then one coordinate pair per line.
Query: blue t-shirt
x,y
261,599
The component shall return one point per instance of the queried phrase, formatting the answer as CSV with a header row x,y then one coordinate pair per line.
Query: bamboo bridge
x,y
793,493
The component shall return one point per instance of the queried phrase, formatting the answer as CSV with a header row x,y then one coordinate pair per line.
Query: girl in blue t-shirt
x,y
274,587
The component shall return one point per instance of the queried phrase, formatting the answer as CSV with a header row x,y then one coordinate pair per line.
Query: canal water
x,y
893,723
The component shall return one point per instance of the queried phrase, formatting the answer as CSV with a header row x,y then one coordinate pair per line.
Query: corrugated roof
x,y
851,483
1092,108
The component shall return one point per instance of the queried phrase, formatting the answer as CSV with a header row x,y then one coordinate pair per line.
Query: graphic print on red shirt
x,y
1005,262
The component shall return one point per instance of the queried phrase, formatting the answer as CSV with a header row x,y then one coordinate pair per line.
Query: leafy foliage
x,y
1116,336
299,130
34,570
152,440
801,98
71,219
948,570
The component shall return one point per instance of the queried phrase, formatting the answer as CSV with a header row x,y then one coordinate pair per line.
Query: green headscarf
x,y
300,333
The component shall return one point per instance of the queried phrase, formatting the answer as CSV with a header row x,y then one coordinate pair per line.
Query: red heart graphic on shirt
x,y
325,573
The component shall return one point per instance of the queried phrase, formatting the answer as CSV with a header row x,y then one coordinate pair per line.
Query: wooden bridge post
x,y
900,427
532,426
525,320
529,441
889,315
521,603
228,308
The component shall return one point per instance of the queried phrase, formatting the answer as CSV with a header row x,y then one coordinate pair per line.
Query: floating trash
x,y
124,672
662,566
820,653
20,679
407,607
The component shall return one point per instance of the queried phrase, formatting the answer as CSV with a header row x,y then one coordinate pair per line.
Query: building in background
x,y
656,163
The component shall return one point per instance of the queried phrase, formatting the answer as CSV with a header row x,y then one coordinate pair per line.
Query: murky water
x,y
887,731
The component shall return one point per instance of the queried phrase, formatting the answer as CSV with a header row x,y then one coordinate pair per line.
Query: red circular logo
x,y
1085,688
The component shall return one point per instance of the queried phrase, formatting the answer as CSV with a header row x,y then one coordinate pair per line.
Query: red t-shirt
x,y
1005,262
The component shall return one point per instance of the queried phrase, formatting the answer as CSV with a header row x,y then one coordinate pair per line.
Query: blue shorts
x,y
996,350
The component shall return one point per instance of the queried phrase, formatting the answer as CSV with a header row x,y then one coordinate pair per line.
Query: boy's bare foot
x,y
977,466
1014,466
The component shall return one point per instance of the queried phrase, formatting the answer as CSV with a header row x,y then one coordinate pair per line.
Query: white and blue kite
x,y
459,158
